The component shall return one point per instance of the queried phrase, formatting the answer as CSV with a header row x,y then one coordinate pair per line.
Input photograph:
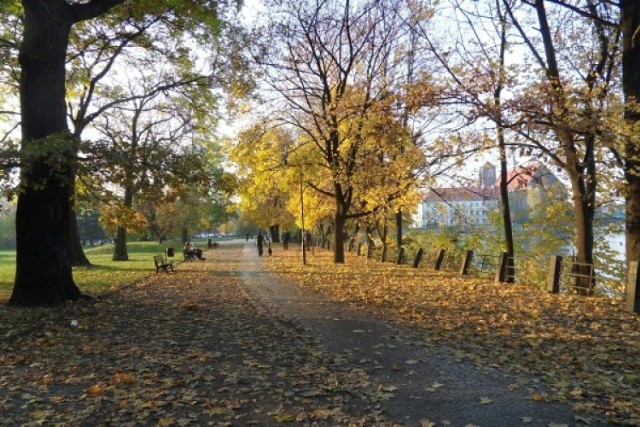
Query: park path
x,y
427,385
222,342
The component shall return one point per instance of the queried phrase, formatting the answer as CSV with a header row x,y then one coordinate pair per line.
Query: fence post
x,y
439,260
632,303
501,271
418,258
359,248
400,259
555,269
466,263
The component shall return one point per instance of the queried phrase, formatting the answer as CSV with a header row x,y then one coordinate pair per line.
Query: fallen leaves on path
x,y
176,350
585,350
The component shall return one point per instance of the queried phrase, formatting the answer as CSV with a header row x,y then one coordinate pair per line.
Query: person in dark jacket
x,y
260,243
286,239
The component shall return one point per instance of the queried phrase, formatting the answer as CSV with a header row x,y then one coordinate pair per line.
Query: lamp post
x,y
304,246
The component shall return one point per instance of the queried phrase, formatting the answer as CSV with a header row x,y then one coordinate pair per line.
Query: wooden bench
x,y
161,264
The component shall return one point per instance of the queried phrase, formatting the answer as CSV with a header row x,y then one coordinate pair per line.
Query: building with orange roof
x,y
471,206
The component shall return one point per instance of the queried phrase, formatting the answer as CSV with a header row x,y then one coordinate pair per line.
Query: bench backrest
x,y
158,260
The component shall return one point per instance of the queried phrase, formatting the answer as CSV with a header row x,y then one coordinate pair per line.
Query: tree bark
x,y
383,238
506,207
120,248
504,184
43,262
631,87
339,221
274,230
399,228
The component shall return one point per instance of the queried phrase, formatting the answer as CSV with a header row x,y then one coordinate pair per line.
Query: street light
x,y
302,239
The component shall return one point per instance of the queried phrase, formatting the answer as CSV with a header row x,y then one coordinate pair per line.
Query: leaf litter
x,y
563,348
174,350
189,348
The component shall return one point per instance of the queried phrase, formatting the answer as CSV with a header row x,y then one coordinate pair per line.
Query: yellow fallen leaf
x,y
123,377
166,422
485,400
95,390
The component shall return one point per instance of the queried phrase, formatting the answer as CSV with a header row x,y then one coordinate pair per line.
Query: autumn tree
x,y
138,43
575,103
331,64
623,16
262,158
151,144
44,204
474,62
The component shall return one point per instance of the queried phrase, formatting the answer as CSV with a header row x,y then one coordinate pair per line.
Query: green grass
x,y
104,274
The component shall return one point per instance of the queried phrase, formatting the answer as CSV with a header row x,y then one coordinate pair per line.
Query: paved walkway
x,y
223,343
426,384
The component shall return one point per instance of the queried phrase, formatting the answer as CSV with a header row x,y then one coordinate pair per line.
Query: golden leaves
x,y
583,349
197,352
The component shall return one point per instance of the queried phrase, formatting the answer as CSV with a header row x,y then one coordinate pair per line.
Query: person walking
x,y
286,239
260,242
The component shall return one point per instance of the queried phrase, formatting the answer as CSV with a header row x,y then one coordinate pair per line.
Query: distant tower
x,y
487,176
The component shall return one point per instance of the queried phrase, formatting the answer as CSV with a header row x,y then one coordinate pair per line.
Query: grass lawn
x,y
104,274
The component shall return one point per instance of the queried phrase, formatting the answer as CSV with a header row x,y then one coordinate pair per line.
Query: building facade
x,y
528,186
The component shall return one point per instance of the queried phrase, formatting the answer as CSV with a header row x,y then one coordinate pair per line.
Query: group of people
x,y
191,251
263,238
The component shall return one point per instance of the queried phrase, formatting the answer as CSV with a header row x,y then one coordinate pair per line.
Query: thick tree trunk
x,y
632,202
631,87
399,228
120,246
584,237
506,213
338,232
185,234
383,238
43,262
274,230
